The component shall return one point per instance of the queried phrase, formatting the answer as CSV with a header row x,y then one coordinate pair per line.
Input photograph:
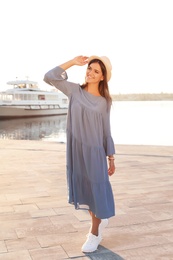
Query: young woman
x,y
90,147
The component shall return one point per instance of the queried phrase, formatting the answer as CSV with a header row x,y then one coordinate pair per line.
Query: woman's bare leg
x,y
95,224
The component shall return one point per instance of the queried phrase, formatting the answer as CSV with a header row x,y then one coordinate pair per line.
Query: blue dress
x,y
89,141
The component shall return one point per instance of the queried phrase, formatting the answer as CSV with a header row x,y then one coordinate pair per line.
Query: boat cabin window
x,y
21,86
6,97
64,100
41,97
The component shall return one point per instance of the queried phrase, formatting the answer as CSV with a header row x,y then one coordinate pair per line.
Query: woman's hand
x,y
111,168
80,60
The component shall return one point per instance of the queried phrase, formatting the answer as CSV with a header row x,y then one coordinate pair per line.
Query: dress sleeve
x,y
57,77
108,140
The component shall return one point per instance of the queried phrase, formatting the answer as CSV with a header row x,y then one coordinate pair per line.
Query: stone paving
x,y
37,223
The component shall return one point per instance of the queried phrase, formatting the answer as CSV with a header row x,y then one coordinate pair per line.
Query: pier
x,y
37,223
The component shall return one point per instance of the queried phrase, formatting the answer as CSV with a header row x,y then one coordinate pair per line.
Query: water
x,y
142,122
40,128
132,122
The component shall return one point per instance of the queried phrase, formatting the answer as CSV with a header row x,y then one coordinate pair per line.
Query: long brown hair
x,y
103,84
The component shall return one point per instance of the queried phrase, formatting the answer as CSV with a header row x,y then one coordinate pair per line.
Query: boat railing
x,y
30,102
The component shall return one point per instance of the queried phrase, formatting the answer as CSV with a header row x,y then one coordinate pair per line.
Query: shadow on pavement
x,y
104,254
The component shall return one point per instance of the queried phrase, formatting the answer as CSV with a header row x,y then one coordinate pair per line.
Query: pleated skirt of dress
x,y
87,178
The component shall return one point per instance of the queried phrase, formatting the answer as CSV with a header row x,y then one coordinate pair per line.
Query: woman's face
x,y
94,73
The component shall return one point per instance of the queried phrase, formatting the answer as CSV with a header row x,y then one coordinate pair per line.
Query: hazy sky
x,y
137,36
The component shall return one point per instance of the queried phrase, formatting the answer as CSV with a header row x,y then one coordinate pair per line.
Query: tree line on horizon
x,y
142,97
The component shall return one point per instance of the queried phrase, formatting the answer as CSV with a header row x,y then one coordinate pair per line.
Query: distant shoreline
x,y
143,97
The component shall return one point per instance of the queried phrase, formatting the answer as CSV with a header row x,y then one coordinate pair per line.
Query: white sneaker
x,y
91,243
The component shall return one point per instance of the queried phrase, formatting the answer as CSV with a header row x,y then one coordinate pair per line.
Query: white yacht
x,y
25,99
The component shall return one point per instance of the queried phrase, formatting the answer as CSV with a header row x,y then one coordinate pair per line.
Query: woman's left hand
x,y
80,60
111,169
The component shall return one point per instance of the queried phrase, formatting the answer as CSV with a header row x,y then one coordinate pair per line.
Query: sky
x,y
136,35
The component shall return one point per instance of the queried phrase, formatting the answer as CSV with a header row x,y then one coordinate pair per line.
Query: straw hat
x,y
105,61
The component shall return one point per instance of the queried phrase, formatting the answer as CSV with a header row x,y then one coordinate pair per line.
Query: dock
x,y
37,223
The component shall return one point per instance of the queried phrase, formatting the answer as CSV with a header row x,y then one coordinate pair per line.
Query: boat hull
x,y
7,112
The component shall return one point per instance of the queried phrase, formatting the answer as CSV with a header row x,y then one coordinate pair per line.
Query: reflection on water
x,y
40,128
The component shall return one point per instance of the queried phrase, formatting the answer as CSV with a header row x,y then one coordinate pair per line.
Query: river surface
x,y
132,122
